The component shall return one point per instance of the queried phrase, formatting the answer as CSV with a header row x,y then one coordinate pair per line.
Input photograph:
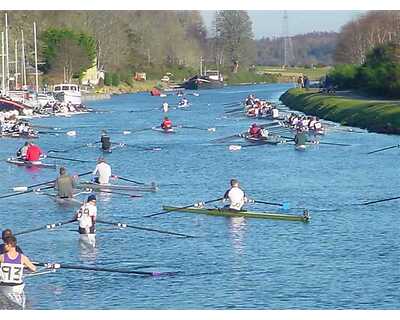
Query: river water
x,y
347,257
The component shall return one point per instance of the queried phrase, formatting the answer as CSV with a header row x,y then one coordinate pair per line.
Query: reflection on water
x,y
237,229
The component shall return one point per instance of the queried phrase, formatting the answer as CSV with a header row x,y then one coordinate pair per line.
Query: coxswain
x,y
165,106
103,170
21,153
5,234
12,264
86,215
33,152
235,196
105,141
65,184
166,124
255,131
300,138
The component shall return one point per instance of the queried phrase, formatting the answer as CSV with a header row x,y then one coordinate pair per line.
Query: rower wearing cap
x,y
12,264
86,215
103,170
166,124
105,141
65,184
255,131
5,234
235,195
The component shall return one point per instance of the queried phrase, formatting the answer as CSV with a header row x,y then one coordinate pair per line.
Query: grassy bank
x,y
136,86
291,74
377,116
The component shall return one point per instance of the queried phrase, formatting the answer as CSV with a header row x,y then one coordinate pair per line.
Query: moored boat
x,y
305,217
29,164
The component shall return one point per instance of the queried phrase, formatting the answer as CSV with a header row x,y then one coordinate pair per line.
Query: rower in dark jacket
x,y
105,141
5,234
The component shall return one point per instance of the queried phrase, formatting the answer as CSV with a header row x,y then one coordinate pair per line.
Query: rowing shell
x,y
29,164
301,147
14,294
262,140
63,201
170,130
88,239
246,214
109,187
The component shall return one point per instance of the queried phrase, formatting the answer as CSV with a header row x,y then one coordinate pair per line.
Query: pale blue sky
x,y
270,23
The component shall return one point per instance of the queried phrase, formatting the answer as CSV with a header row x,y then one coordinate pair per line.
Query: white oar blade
x,y
71,133
212,129
20,189
126,132
233,147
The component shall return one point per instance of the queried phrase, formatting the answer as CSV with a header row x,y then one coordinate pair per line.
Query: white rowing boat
x,y
88,240
170,130
14,295
110,187
301,147
64,201
30,164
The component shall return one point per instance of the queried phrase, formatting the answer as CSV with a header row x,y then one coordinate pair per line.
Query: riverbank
x,y
382,116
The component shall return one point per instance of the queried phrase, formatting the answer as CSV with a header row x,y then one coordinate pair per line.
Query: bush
x,y
344,76
115,79
108,79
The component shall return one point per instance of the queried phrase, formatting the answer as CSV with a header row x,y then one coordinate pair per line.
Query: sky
x,y
270,23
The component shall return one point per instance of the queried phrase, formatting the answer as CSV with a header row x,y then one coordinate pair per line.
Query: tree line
x,y
368,55
128,41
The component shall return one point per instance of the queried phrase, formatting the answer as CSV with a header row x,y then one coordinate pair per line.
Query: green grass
x,y
383,117
312,73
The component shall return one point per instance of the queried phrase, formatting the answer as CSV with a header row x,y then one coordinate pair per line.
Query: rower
x,y
33,152
165,106
86,215
166,124
103,170
65,184
5,234
105,141
21,153
300,138
235,196
12,264
275,112
255,131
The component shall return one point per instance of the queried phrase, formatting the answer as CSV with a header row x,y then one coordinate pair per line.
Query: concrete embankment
x,y
381,116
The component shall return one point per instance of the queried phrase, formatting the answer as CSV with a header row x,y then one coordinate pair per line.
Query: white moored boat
x,y
68,93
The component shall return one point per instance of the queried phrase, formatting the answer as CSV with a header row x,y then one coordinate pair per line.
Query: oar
x,y
121,193
284,205
23,192
143,148
74,148
44,183
76,267
177,209
47,226
69,159
383,200
129,180
234,110
198,128
124,225
332,144
383,149
226,138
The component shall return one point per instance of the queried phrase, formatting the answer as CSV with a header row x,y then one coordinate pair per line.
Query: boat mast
x,y
201,66
16,65
3,74
7,61
23,68
36,63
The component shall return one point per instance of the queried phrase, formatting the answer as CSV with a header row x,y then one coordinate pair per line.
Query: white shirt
x,y
85,214
104,171
237,198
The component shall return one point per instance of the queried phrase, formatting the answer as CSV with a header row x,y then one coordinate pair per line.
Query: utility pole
x,y
23,67
16,65
3,73
7,61
285,29
36,62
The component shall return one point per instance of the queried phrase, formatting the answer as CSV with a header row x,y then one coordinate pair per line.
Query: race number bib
x,y
11,273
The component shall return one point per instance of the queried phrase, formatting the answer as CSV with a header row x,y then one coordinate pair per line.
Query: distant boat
x,y
68,93
211,80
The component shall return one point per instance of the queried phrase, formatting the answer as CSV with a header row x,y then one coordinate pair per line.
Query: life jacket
x,y
33,153
166,124
255,132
